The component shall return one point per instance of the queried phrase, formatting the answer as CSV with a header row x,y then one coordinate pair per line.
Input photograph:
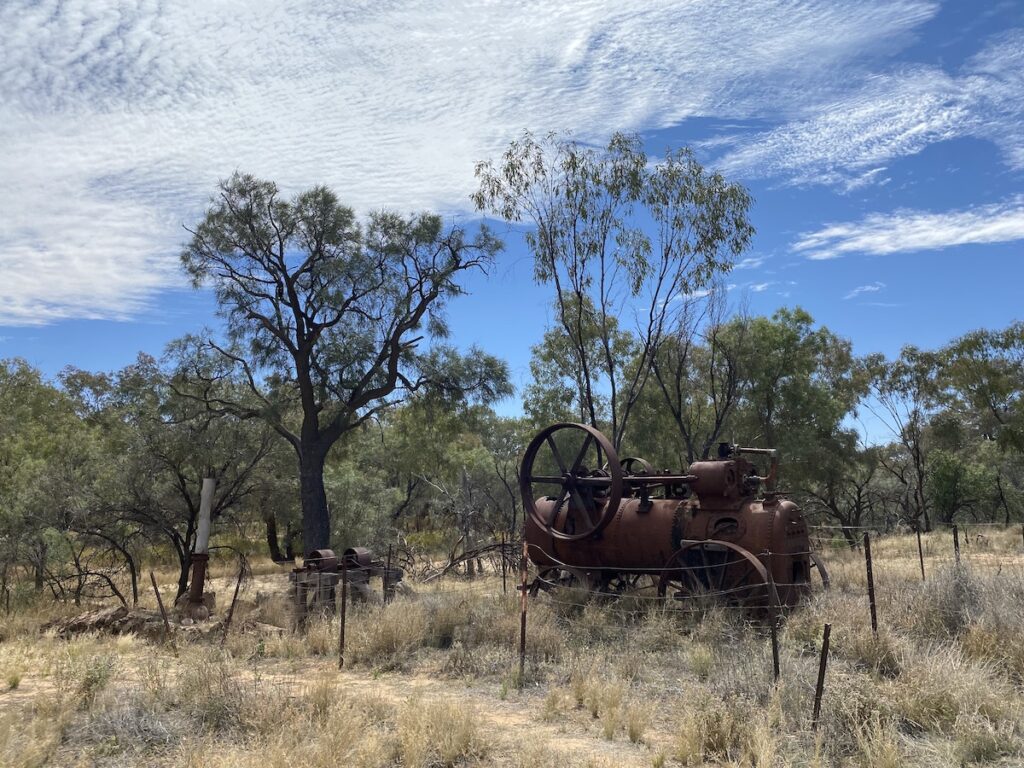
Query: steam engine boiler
x,y
614,525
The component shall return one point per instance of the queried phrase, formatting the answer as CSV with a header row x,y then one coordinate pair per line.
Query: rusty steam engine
x,y
615,526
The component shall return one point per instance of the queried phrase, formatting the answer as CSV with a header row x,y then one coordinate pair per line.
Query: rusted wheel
x,y
717,569
641,584
560,464
819,564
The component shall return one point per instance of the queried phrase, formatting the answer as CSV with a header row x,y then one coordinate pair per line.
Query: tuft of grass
x,y
712,731
637,718
438,733
701,659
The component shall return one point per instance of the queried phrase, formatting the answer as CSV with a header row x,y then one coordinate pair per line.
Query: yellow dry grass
x,y
432,679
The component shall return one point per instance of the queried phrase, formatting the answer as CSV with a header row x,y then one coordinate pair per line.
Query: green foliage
x,y
616,236
324,318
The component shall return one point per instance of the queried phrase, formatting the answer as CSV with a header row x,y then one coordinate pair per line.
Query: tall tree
x,y
698,373
616,235
906,392
984,371
325,317
799,384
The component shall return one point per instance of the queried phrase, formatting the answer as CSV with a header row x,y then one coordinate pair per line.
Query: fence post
x,y
163,614
774,628
344,602
956,544
871,581
386,581
820,688
522,614
234,600
504,588
920,553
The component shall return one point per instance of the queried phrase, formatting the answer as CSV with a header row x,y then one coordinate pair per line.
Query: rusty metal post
x,y
344,601
871,581
956,544
234,599
775,648
920,553
820,688
522,614
776,616
386,581
504,588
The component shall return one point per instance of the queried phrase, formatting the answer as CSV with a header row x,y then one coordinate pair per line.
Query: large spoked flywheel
x,y
575,467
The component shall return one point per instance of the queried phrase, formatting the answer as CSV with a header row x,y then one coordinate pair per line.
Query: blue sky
x,y
882,142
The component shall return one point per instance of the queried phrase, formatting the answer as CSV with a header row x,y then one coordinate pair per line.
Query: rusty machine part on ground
x,y
614,526
315,583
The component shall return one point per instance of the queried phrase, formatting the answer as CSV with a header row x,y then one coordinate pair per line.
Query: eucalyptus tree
x,y
327,319
984,376
621,240
906,392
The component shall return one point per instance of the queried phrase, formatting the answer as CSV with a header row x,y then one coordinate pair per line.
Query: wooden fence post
x,y
871,581
234,600
163,613
956,544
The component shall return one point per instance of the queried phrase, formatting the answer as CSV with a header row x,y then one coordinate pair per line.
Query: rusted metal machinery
x,y
614,525
315,582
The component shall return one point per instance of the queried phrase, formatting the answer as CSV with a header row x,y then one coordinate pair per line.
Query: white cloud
x,y
906,231
848,141
760,287
751,262
870,288
117,119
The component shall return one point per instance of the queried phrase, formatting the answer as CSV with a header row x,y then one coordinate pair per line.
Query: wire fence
x,y
876,570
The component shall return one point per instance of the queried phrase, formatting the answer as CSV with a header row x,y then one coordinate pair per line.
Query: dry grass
x,y
431,679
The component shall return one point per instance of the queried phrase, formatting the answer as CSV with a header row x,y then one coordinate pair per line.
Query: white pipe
x,y
205,507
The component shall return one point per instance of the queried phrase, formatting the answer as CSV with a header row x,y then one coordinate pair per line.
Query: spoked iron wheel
x,y
719,570
819,565
637,584
554,578
562,464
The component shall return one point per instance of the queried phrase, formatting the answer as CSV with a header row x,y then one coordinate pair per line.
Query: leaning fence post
x,y
920,553
820,688
522,614
234,599
341,628
163,613
871,581
956,544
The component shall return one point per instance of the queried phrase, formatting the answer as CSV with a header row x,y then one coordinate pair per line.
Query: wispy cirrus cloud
x,y
750,262
862,289
906,231
848,140
117,119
